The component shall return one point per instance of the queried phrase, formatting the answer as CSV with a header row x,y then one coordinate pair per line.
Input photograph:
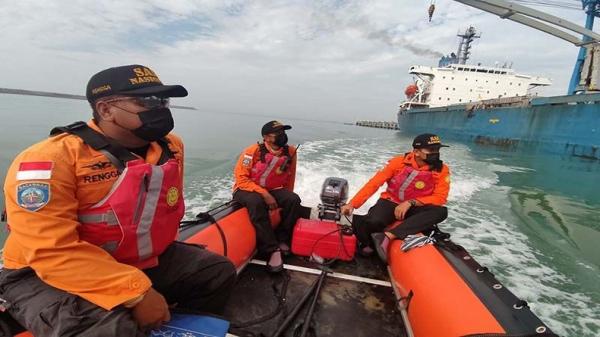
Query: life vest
x,y
268,171
410,183
139,218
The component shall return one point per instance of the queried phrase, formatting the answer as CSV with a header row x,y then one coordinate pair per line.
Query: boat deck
x,y
356,299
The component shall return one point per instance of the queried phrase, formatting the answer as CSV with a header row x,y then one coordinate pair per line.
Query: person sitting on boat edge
x,y
264,180
94,212
418,183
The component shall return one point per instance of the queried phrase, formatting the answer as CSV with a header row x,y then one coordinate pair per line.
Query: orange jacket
x,y
47,239
243,170
396,164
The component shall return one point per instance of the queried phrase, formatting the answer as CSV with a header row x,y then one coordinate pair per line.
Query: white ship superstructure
x,y
455,82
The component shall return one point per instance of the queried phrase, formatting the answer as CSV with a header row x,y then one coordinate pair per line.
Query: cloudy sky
x,y
336,59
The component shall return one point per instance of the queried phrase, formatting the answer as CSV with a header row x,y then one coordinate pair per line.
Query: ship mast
x,y
464,47
548,23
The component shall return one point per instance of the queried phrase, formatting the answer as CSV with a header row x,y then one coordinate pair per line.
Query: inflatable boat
x,y
433,290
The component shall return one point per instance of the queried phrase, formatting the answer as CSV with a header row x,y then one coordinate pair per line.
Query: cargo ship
x,y
497,106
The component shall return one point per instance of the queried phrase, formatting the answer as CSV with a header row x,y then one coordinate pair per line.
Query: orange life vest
x,y
410,183
268,172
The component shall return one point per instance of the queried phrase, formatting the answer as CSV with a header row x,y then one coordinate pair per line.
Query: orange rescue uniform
x,y
395,165
243,169
47,239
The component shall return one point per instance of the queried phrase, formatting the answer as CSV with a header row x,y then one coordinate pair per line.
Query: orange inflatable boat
x,y
441,290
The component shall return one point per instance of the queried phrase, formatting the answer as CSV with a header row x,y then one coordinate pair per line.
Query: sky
x,y
331,60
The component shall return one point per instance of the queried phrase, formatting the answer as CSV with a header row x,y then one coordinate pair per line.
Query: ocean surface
x,y
533,220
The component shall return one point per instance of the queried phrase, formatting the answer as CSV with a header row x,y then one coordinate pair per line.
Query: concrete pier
x,y
379,125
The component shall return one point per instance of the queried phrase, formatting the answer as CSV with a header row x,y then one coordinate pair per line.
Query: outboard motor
x,y
325,237
334,194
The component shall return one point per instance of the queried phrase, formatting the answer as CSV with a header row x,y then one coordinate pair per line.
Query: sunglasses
x,y
149,102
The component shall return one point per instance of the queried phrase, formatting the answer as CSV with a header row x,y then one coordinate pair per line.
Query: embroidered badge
x,y
172,196
419,185
247,160
33,196
35,170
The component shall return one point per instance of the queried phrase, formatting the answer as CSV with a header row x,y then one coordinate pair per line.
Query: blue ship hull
x,y
563,125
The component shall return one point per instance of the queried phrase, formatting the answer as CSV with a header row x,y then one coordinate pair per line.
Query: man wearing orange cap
x,y
417,189
264,179
94,212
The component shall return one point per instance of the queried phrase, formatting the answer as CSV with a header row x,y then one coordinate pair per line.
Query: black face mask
x,y
433,160
156,123
281,139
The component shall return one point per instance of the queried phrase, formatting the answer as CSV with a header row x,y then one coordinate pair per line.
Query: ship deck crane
x,y
548,23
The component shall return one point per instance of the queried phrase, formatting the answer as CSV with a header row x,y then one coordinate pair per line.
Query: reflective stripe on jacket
x,y
410,183
268,173
140,216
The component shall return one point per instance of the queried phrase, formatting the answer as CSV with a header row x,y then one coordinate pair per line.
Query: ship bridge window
x,y
481,71
461,69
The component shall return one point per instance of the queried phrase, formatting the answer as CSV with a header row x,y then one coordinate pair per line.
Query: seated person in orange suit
x,y
417,188
94,213
264,179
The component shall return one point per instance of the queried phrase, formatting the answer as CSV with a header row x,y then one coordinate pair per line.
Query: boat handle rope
x,y
404,301
206,216
540,331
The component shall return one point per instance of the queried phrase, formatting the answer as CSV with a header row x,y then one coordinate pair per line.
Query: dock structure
x,y
379,125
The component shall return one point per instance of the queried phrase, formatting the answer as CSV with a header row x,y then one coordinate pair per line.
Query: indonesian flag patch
x,y
35,170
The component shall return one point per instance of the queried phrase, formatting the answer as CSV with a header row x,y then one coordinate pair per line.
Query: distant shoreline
x,y
61,95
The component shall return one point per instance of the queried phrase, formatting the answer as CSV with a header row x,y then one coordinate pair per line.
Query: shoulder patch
x,y
33,196
35,170
247,160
